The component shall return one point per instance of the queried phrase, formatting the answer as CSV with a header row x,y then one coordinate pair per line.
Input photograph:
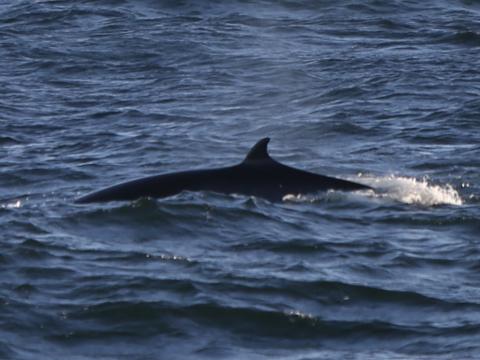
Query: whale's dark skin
x,y
258,175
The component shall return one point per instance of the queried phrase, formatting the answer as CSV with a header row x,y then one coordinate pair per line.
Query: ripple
x,y
36,272
464,38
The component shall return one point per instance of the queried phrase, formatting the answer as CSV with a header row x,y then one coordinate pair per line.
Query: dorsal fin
x,y
259,151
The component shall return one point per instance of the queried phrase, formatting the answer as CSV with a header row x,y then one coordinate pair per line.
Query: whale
x,y
258,175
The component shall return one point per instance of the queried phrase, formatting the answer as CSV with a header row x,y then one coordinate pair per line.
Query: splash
x,y
11,205
407,190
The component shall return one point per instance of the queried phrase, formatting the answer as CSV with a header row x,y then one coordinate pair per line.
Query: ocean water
x,y
93,93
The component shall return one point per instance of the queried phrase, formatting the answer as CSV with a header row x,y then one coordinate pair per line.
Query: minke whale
x,y
257,175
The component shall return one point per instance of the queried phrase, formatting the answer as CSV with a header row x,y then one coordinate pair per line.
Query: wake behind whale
x,y
257,175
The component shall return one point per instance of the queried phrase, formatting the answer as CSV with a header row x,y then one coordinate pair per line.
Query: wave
x,y
254,320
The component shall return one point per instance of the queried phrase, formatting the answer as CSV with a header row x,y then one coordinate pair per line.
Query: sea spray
x,y
410,190
407,190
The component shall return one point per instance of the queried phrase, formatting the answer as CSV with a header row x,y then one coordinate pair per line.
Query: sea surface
x,y
385,93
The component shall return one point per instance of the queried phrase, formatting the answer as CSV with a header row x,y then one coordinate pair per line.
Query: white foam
x,y
12,205
409,190
402,189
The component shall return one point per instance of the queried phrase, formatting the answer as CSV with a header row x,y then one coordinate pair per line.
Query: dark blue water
x,y
93,93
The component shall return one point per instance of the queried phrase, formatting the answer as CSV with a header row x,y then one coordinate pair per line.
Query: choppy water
x,y
97,92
